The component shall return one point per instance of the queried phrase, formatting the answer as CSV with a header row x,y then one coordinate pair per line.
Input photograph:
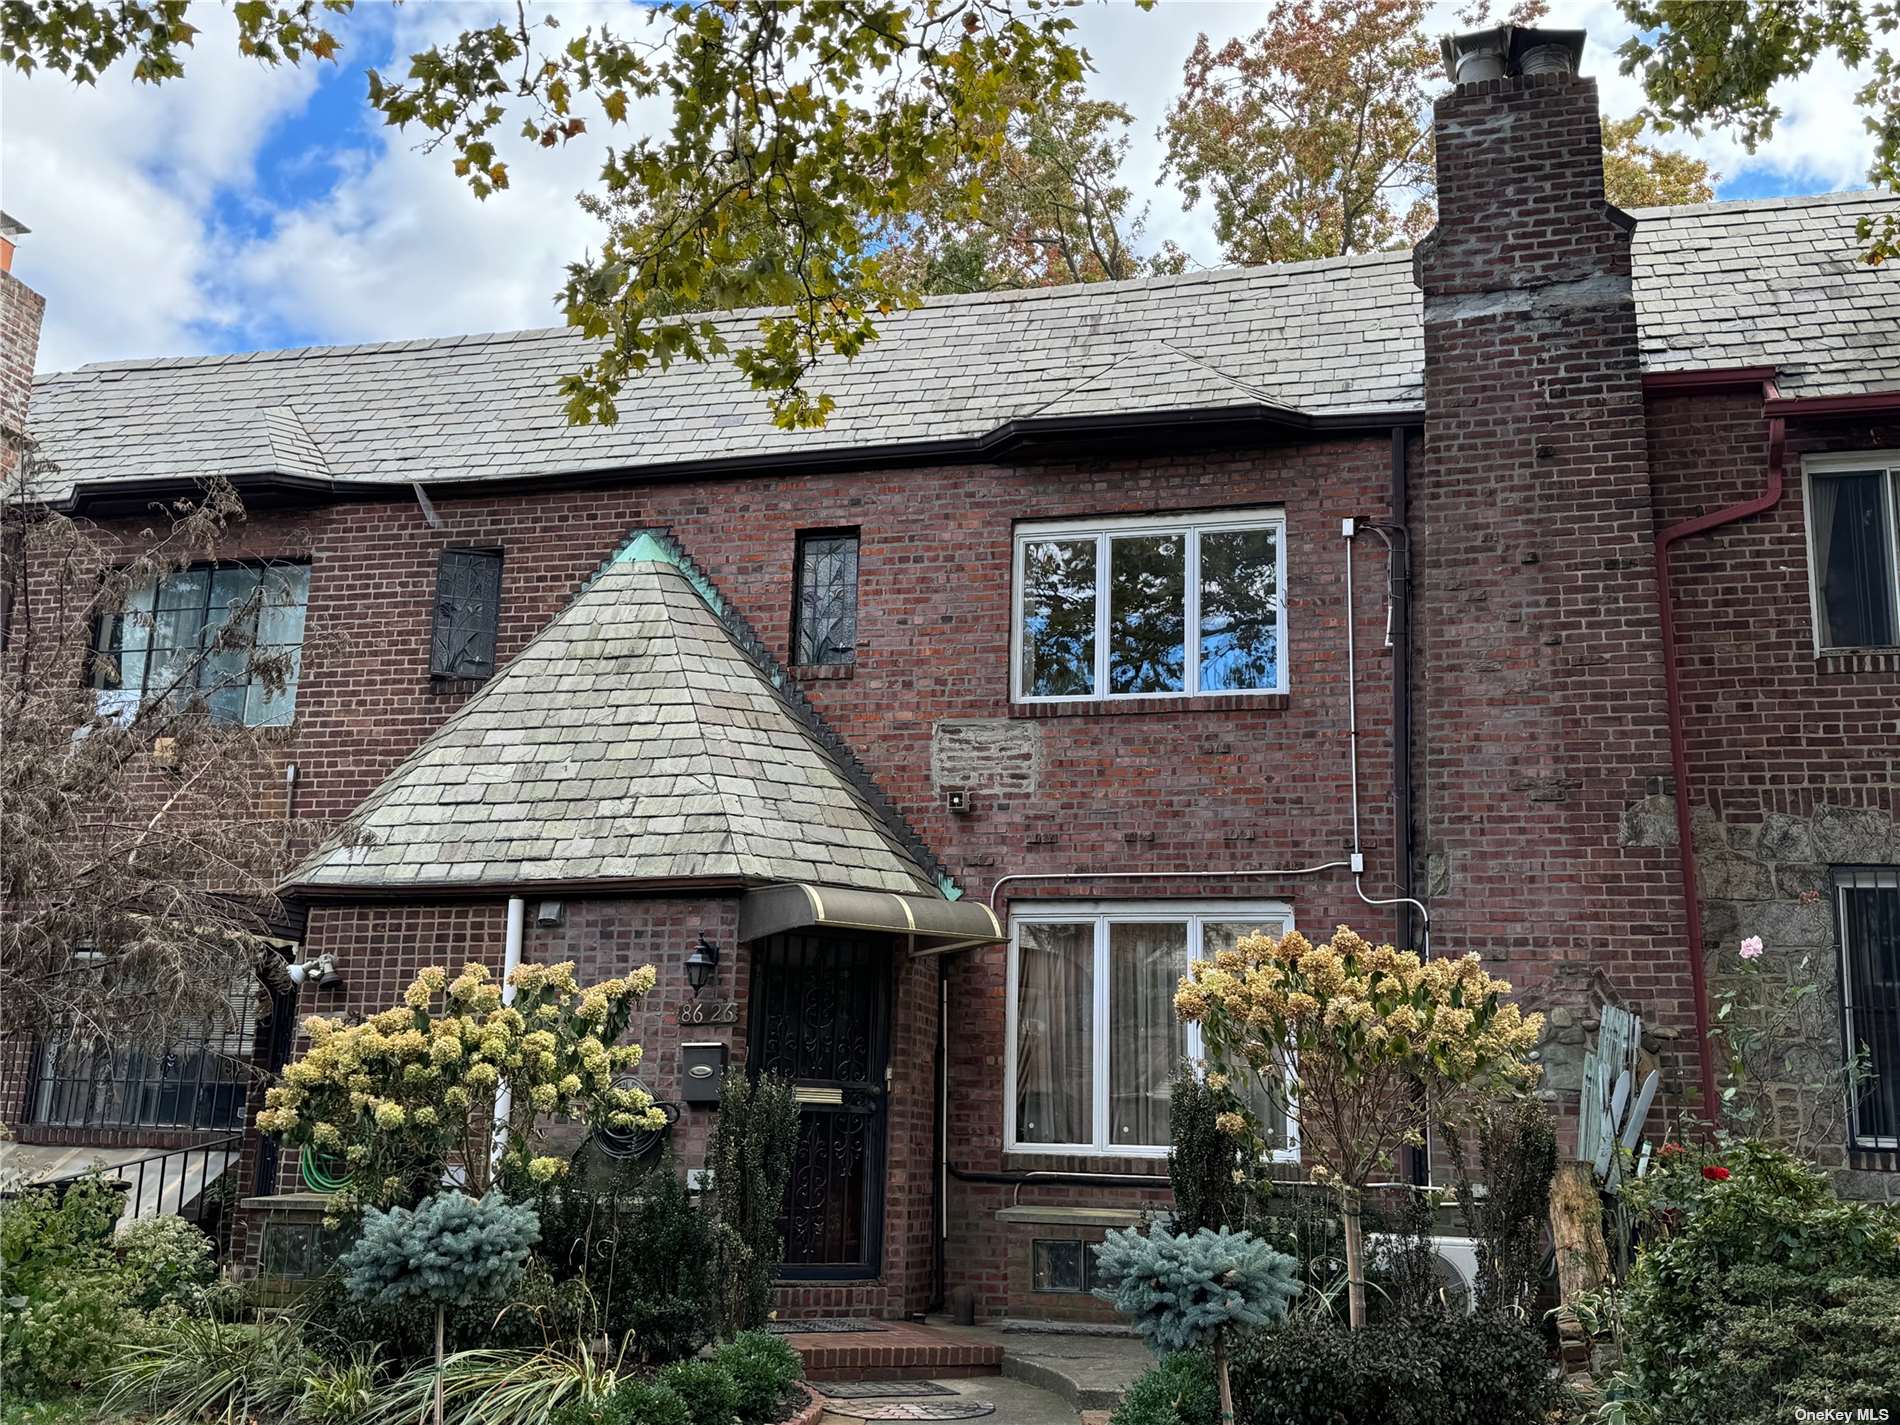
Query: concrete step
x,y
902,1351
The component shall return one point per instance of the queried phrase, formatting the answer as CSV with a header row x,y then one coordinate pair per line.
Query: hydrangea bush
x,y
1341,1036
407,1092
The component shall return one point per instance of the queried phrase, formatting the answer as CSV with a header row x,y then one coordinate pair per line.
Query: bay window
x,y
1150,607
1093,1038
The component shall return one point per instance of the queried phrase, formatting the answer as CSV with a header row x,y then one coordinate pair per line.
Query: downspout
x,y
510,962
1400,636
1678,744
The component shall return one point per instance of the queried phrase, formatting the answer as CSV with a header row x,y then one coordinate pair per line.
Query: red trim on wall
x,y
1813,407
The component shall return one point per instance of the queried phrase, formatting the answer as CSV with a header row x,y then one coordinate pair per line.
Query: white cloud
x,y
125,185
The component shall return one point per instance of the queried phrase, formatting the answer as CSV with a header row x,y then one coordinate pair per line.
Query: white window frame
x,y
1104,913
1103,531
1879,878
1863,462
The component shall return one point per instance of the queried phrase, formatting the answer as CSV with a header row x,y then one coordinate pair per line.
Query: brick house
x,y
1467,585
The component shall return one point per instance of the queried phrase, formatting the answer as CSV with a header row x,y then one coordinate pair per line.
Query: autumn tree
x,y
1312,137
1715,63
789,134
1640,175
1309,137
139,850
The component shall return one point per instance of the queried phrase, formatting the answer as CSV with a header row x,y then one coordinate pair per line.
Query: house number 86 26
x,y
725,1011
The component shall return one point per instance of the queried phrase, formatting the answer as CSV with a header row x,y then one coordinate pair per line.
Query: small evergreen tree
x,y
1191,1290
751,1161
450,1251
1208,1167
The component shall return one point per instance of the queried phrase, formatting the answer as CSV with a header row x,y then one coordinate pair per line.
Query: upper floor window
x,y
1870,999
1150,607
1852,536
467,613
825,606
201,632
1093,1038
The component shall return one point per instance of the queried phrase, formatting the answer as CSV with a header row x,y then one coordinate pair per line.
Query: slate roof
x,y
1723,284
633,739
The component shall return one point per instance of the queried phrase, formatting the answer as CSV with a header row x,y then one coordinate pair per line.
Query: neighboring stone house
x,y
958,726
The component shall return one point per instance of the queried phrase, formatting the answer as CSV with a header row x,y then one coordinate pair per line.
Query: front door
x,y
820,1018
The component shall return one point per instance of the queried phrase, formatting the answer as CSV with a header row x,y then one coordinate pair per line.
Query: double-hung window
x,y
1150,607
1093,1038
204,632
1854,550
1869,908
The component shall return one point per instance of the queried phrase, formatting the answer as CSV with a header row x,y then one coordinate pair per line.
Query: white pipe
x,y
1258,873
510,962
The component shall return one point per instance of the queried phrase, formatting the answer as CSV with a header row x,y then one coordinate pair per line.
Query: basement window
x,y
203,633
1094,1041
1852,538
1150,607
467,613
1869,908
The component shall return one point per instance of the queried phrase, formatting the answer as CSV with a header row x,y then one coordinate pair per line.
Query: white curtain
x,y
1055,1031
1145,1039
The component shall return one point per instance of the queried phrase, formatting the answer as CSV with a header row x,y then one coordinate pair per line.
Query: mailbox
x,y
702,1071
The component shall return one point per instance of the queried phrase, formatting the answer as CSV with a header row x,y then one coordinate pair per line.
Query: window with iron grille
x,y
467,613
203,633
1869,905
825,610
198,1081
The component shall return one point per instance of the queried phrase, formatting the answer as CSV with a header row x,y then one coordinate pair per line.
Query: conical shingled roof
x,y
632,740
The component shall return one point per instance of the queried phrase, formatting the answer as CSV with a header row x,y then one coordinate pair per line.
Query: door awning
x,y
928,922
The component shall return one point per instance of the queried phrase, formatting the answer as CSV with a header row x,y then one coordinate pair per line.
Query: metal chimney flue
x,y
1510,51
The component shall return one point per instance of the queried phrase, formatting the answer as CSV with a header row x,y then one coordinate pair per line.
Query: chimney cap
x,y
1512,50
11,226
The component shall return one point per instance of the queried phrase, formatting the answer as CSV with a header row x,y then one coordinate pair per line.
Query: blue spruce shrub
x,y
450,1250
1185,1290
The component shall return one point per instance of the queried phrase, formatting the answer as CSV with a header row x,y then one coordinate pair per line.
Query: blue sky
x,y
245,208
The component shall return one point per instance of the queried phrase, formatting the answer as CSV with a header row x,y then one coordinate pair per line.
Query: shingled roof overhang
x,y
1033,437
644,742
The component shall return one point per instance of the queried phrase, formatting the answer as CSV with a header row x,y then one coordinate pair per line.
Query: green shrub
x,y
645,1402
763,1370
1455,1370
539,1312
657,1297
1202,1159
751,1161
487,1387
707,1389
1749,1254
340,1393
63,1312
1179,1391
168,1262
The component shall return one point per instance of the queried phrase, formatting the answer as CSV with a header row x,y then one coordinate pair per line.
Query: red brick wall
x,y
1540,708
21,309
1200,785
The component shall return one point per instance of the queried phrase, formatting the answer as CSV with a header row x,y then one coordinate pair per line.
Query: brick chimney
x,y
1540,685
20,311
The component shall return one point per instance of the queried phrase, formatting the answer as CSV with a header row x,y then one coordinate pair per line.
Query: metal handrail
x,y
230,1148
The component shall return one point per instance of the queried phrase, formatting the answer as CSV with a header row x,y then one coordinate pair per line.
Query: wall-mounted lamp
x,y
322,970
702,964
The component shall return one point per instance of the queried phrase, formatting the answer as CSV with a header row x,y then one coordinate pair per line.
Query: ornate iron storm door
x,y
821,1018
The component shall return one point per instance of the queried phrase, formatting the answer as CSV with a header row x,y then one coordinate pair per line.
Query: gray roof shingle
x,y
633,739
1722,284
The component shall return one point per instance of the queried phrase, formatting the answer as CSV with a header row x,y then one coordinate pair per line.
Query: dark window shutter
x,y
825,607
467,613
